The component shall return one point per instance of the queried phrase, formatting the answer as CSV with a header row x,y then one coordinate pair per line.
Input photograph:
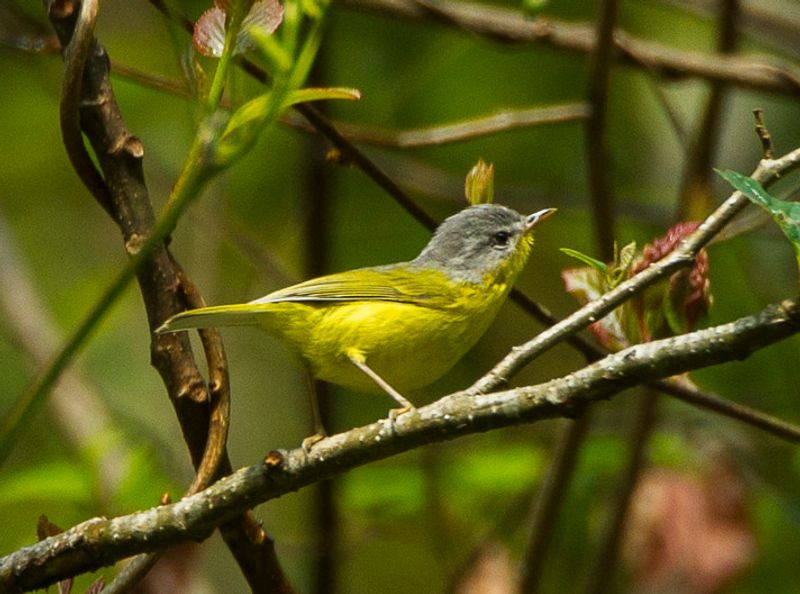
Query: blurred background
x,y
715,507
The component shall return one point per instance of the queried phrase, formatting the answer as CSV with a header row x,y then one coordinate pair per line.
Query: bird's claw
x,y
309,441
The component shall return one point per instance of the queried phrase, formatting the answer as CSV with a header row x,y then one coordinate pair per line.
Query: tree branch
x,y
766,172
513,26
475,127
101,541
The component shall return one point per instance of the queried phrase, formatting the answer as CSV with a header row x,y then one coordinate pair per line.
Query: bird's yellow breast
x,y
409,345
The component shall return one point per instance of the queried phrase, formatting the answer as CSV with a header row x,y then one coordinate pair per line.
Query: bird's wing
x,y
401,283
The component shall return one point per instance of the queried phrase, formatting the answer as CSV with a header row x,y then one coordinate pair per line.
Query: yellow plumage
x,y
408,323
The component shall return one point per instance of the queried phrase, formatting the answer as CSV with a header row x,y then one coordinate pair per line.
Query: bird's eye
x,y
500,239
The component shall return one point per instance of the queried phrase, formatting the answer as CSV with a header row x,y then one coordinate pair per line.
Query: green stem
x,y
234,25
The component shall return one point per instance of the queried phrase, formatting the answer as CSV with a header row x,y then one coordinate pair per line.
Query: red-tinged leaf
x,y
267,15
97,586
688,294
585,284
210,28
661,310
653,252
209,32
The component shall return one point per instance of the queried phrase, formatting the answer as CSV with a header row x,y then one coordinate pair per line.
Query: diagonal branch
x,y
766,172
101,541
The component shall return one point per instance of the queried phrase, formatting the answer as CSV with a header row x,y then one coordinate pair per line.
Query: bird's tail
x,y
242,314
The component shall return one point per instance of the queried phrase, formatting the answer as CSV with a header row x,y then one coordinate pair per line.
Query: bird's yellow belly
x,y
407,345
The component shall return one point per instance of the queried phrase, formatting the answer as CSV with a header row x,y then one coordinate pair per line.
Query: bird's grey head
x,y
477,240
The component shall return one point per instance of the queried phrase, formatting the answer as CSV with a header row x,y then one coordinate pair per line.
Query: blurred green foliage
x,y
410,522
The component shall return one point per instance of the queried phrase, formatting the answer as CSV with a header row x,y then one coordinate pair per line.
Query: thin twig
x,y
214,451
514,26
469,129
475,127
683,389
767,152
101,541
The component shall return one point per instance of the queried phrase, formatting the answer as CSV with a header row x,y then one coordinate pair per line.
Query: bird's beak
x,y
537,217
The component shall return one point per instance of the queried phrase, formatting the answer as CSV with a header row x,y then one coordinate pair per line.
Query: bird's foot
x,y
309,441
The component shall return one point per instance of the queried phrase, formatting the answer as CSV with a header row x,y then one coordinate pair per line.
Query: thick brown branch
x,y
101,541
201,409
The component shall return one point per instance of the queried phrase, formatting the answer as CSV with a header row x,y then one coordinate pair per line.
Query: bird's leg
x,y
358,359
319,427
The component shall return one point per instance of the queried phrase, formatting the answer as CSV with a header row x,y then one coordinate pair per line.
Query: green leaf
x,y
321,94
596,264
785,214
251,112
258,109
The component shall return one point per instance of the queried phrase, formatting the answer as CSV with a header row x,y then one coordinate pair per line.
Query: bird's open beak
x,y
538,217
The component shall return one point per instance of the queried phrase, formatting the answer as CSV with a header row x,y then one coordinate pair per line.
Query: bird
x,y
397,327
